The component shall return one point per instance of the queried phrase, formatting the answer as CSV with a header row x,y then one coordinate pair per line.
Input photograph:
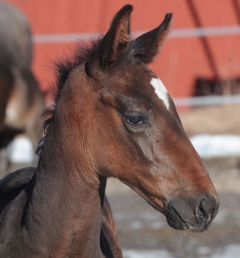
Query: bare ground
x,y
223,119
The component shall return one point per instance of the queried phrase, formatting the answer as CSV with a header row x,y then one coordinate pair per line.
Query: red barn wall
x,y
182,59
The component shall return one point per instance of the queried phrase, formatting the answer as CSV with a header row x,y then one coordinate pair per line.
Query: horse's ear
x,y
117,37
148,45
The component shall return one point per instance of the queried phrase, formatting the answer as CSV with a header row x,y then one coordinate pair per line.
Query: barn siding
x,y
182,59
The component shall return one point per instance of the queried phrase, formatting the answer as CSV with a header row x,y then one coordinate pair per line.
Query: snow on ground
x,y
216,145
131,253
230,251
21,150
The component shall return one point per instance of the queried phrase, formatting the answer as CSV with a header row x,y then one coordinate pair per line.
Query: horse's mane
x,y
63,67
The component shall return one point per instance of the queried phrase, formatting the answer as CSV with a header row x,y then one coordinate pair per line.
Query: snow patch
x,y
21,151
216,145
230,251
130,253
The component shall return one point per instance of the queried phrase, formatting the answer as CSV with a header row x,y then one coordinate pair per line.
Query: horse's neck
x,y
64,210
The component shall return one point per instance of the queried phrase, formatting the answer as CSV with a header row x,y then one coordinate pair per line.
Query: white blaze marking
x,y
160,90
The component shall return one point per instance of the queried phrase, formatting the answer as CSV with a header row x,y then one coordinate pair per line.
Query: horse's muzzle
x,y
193,214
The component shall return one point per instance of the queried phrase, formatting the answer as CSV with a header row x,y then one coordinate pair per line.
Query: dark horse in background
x,y
113,118
21,100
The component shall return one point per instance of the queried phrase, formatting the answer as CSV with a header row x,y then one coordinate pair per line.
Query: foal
x,y
113,118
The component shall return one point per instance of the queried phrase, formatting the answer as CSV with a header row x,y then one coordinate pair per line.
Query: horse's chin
x,y
180,224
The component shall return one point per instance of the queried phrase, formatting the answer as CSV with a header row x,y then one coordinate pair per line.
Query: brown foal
x,y
113,118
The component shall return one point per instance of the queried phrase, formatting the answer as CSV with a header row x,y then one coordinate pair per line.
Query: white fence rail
x,y
176,33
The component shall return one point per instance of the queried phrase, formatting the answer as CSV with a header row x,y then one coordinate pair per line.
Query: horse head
x,y
136,133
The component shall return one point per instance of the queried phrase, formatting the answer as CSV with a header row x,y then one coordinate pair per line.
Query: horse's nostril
x,y
204,206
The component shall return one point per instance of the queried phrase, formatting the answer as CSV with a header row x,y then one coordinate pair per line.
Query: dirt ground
x,y
224,119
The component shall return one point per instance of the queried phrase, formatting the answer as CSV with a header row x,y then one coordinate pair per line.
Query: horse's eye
x,y
135,120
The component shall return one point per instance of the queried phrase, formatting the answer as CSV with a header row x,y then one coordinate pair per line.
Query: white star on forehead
x,y
160,90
